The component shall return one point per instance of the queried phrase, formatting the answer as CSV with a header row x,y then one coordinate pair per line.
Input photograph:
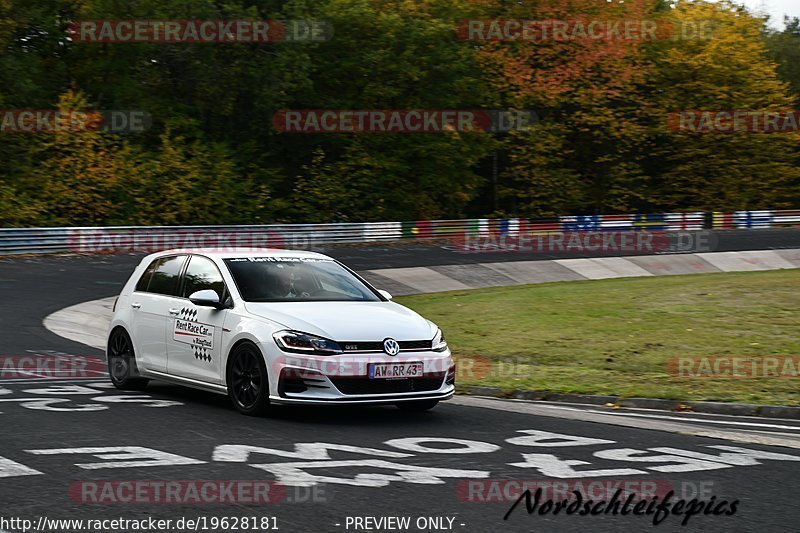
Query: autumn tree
x,y
191,182
784,48
584,155
80,170
725,69
386,55
212,155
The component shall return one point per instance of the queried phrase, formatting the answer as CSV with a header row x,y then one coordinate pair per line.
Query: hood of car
x,y
347,321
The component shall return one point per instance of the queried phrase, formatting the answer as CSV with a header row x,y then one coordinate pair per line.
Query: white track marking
x,y
704,421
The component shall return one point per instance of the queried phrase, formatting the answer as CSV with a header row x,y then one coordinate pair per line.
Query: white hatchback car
x,y
274,326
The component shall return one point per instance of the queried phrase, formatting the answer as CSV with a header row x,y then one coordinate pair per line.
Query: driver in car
x,y
288,284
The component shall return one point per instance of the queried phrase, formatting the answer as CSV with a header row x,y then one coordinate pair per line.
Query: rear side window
x,y
144,281
203,274
164,279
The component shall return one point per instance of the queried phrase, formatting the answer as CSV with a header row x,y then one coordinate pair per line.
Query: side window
x,y
166,275
203,274
144,281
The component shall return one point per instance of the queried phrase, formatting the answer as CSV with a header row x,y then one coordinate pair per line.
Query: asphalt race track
x,y
68,446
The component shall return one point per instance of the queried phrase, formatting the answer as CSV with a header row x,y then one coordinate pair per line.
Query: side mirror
x,y
206,298
385,294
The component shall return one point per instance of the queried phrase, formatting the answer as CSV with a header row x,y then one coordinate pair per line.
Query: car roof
x,y
232,253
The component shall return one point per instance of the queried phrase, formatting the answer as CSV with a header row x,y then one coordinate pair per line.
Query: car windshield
x,y
288,279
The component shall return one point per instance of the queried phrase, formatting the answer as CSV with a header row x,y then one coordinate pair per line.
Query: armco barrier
x,y
144,238
755,219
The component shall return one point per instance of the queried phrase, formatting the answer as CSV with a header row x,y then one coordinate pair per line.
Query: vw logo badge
x,y
391,347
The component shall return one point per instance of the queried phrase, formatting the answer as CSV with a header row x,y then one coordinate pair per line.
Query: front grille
x,y
361,385
377,346
415,345
362,346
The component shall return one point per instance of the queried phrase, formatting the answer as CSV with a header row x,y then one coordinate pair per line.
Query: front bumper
x,y
344,379
363,400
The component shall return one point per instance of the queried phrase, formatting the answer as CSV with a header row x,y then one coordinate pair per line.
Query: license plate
x,y
395,370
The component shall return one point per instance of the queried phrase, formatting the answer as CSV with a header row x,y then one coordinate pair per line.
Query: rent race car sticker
x,y
196,334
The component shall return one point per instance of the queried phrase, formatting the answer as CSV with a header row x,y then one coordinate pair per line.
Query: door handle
x,y
136,305
174,311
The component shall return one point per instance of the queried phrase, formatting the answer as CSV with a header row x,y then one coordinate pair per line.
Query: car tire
x,y
122,362
418,406
247,380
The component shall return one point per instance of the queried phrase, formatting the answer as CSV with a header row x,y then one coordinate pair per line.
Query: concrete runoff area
x,y
746,261
524,272
475,276
422,279
665,265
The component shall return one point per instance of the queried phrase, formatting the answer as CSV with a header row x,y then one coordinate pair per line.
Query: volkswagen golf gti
x,y
274,327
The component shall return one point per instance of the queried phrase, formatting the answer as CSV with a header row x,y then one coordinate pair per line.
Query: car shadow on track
x,y
338,415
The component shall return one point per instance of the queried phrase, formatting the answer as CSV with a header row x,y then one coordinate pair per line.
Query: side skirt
x,y
193,383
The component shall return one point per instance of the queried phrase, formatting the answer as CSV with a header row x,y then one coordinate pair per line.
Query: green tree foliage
x,y
17,209
728,71
585,154
190,183
784,48
387,55
212,155
79,172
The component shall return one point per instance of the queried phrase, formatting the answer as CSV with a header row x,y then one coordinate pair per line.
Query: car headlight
x,y
299,342
439,344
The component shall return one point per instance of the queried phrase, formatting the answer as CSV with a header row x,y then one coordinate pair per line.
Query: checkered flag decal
x,y
201,354
188,313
